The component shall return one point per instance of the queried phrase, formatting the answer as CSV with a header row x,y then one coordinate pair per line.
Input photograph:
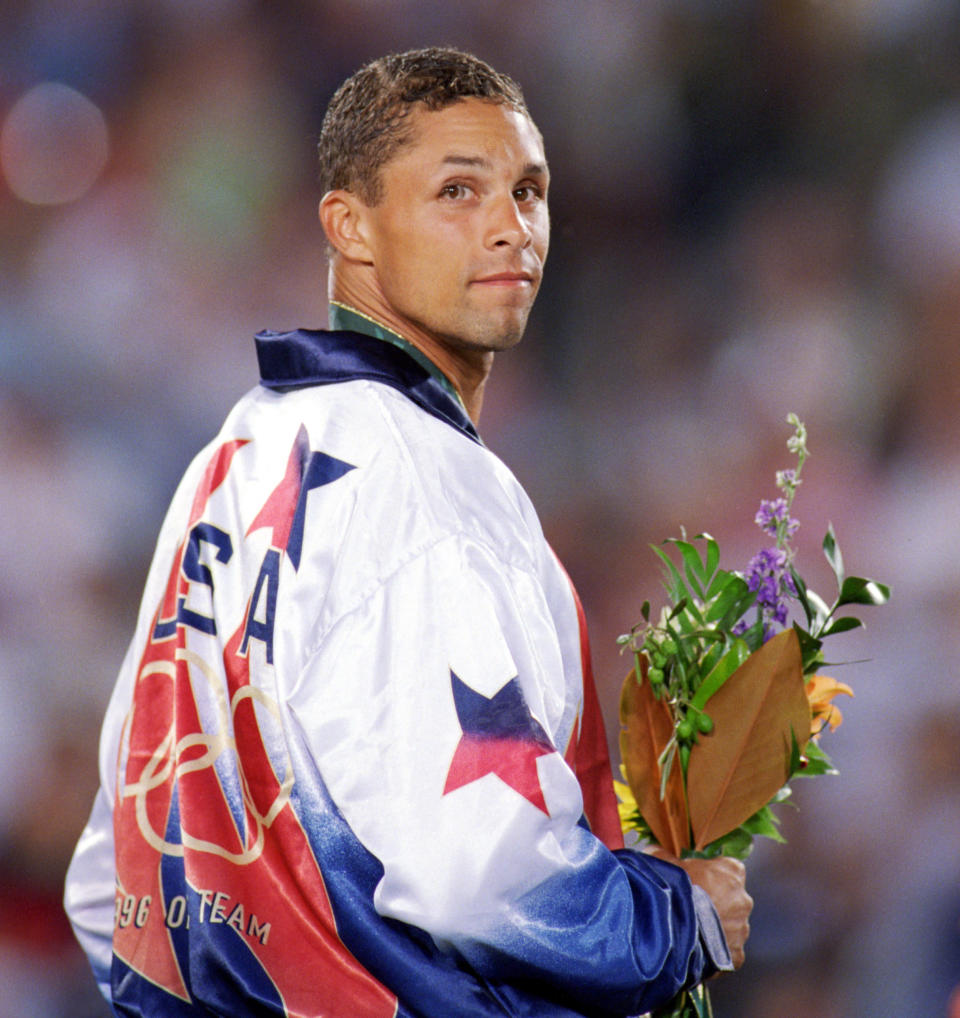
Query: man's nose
x,y
507,226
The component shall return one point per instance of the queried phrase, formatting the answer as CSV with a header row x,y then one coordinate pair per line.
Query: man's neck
x,y
465,375
344,318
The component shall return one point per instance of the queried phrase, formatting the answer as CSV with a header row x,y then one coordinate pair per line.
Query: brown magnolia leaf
x,y
746,760
647,728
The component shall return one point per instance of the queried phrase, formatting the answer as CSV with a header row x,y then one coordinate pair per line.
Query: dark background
x,y
756,210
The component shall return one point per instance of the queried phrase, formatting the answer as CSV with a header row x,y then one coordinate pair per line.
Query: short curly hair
x,y
366,121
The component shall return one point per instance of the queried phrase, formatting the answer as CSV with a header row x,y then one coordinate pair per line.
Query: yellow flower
x,y
627,807
820,693
628,802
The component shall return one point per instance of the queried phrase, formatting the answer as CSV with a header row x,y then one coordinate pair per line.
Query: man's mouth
x,y
506,279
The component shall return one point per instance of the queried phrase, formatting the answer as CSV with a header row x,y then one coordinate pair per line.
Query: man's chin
x,y
504,332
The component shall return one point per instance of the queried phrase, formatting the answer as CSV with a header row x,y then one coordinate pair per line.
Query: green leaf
x,y
731,592
810,648
737,610
782,796
712,559
720,646
832,552
694,567
753,637
801,588
797,762
666,765
691,620
678,591
697,997
817,762
737,844
678,609
725,667
842,625
858,590
764,824
821,610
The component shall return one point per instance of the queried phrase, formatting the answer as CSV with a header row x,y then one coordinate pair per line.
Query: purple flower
x,y
768,575
766,563
774,514
787,478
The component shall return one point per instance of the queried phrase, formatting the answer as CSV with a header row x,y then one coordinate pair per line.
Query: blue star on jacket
x,y
501,737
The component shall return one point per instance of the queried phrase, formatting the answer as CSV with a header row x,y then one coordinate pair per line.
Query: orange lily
x,y
820,693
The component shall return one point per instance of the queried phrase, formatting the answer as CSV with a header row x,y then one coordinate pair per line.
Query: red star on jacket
x,y
501,737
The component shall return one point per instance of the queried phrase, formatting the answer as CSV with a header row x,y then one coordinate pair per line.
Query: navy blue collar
x,y
305,357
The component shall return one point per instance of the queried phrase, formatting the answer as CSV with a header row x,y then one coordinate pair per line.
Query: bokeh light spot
x,y
53,145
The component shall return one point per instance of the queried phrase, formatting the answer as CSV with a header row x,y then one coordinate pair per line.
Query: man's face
x,y
460,237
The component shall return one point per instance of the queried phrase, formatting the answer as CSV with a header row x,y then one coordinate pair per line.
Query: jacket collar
x,y
305,357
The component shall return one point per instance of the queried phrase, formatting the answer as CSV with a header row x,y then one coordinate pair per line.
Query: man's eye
x,y
528,192
454,191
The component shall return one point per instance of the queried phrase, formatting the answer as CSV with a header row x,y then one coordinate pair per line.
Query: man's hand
x,y
724,880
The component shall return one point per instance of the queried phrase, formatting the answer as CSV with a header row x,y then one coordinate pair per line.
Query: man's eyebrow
x,y
455,160
530,170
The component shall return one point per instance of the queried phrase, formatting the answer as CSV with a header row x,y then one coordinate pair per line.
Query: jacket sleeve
x,y
433,712
90,891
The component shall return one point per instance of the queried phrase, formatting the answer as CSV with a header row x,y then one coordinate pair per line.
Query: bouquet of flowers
x,y
726,703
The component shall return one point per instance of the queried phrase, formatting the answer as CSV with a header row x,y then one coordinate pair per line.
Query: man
x,y
340,766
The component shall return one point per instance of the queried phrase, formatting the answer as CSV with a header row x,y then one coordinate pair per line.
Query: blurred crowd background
x,y
756,210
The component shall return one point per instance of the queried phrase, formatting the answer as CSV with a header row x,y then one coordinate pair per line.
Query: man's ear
x,y
342,216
